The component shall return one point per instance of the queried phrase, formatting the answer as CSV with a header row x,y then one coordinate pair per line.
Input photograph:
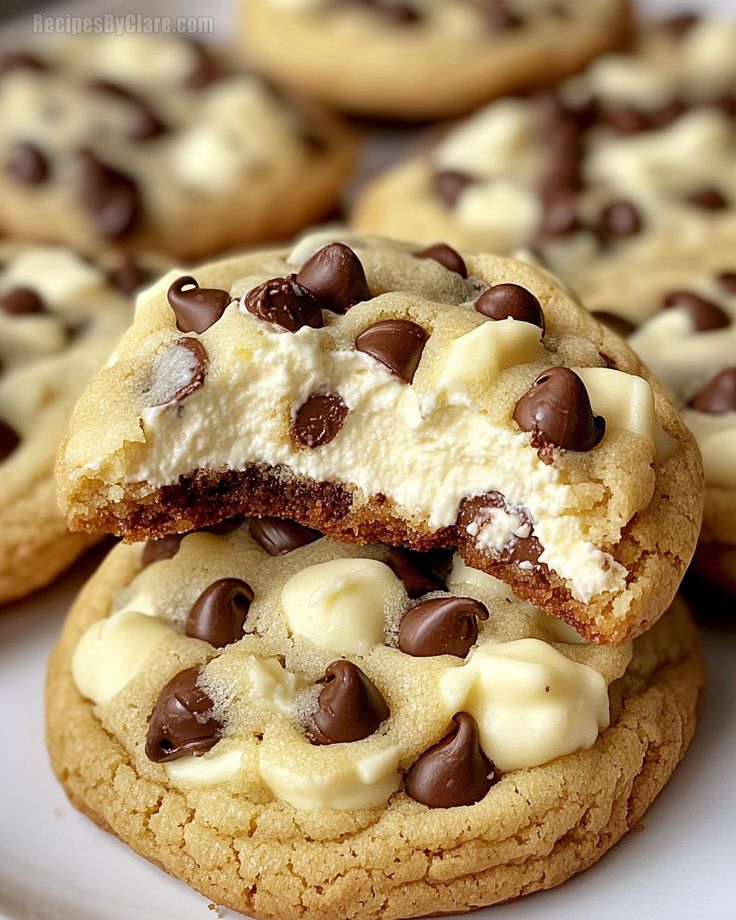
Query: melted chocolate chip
x,y
285,303
704,315
178,371
319,419
163,548
110,197
498,17
445,255
145,124
223,528
556,409
479,510
27,164
336,277
9,440
449,185
618,324
20,60
350,706
719,396
416,571
727,280
181,721
709,199
453,772
281,537
21,301
196,309
511,301
620,219
218,614
128,276
441,626
397,343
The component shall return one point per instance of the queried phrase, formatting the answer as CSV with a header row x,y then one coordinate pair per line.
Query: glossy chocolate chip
x,y
336,277
9,440
163,548
478,510
557,411
416,571
709,199
498,16
111,198
449,185
618,324
279,537
453,772
445,255
719,396
620,219
21,301
128,276
218,614
178,371
181,721
27,164
397,343
285,303
20,60
705,316
350,706
511,301
441,626
145,123
319,419
727,281
196,308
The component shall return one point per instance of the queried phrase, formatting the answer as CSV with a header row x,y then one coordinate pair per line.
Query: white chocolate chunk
x,y
624,400
111,652
57,275
216,766
506,211
531,703
270,683
341,605
462,574
718,448
625,79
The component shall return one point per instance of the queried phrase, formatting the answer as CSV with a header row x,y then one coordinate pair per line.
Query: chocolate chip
x,y
350,706
704,315
128,276
395,11
206,69
336,277
620,219
453,772
145,124
416,572
20,60
511,301
445,255
178,370
557,411
111,197
223,528
618,324
218,614
285,303
441,626
719,396
479,510
163,548
449,185
397,343
196,309
678,26
9,440
727,280
709,199
27,164
319,419
279,537
661,118
21,301
498,17
559,213
181,721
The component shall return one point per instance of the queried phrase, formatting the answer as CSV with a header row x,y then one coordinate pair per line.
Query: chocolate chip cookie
x,y
160,144
296,726
423,59
631,160
379,392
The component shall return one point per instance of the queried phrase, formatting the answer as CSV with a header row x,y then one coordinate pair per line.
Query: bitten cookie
x,y
60,317
424,59
632,160
680,317
419,398
160,144
299,727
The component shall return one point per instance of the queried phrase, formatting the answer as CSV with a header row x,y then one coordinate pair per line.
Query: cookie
x,y
419,398
631,160
60,317
680,318
160,144
425,59
244,714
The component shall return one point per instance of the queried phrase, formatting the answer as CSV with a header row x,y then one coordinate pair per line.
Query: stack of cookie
x,y
399,636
